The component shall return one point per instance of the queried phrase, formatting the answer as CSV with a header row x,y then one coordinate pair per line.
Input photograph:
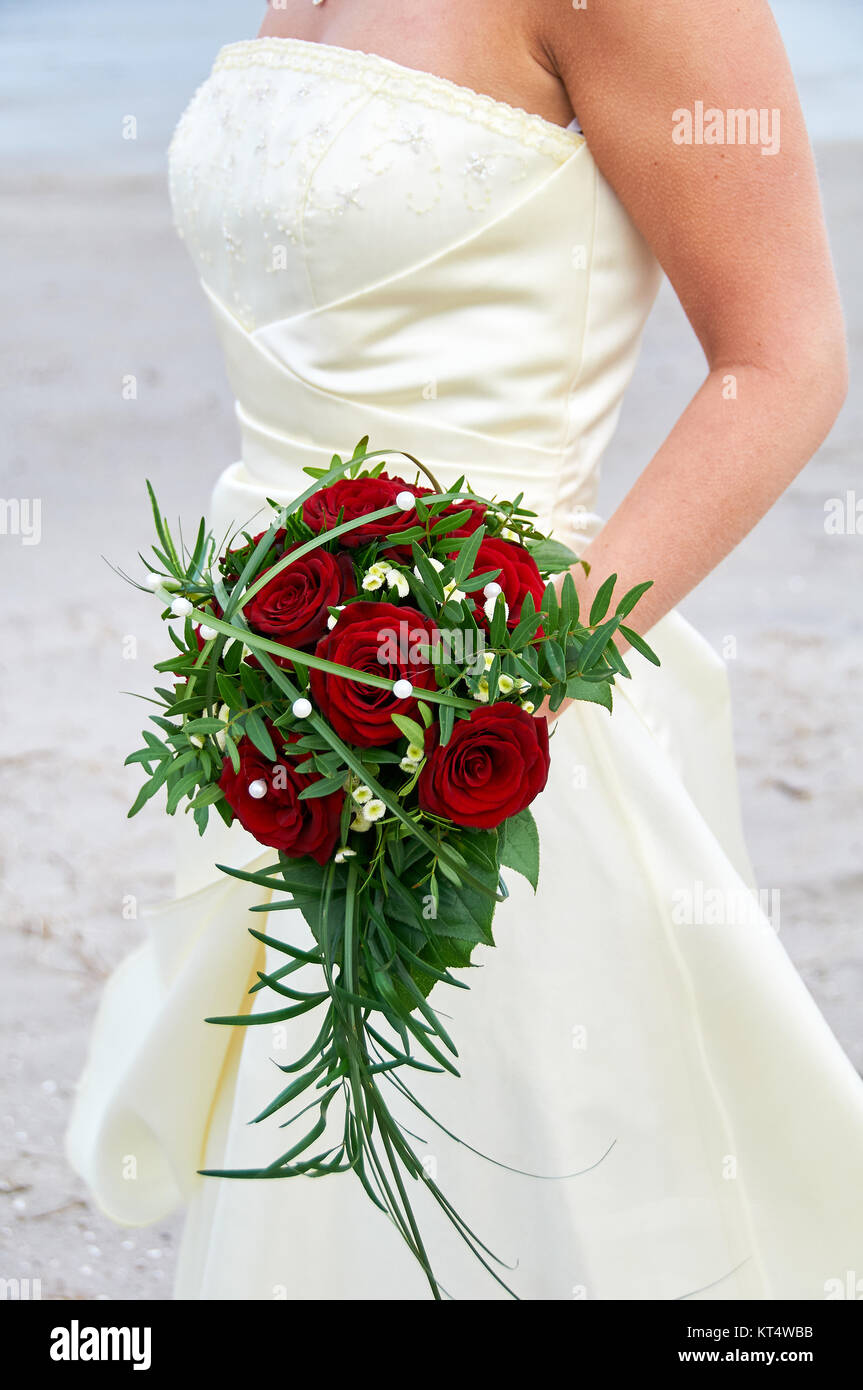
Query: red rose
x,y
379,638
292,606
279,818
518,576
350,498
494,765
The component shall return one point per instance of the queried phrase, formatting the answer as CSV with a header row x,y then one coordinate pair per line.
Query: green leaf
x,y
550,604
520,847
233,753
598,692
260,735
630,599
413,732
497,627
556,696
207,796
324,787
525,630
552,557
569,606
595,645
429,575
639,644
450,523
251,682
555,658
599,607
210,725
182,788
463,913
467,554
160,776
229,691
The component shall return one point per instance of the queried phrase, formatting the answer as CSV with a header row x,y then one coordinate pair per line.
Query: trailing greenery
x,y
406,902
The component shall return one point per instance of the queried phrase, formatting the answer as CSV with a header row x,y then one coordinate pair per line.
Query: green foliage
x,y
520,846
400,911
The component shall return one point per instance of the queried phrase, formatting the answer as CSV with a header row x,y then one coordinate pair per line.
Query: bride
x,y
442,225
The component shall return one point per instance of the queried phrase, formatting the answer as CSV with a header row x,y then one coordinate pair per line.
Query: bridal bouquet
x,y
358,685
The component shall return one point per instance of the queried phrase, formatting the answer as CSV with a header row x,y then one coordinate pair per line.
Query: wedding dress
x,y
388,253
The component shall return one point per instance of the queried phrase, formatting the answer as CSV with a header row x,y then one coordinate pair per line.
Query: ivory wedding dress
x,y
388,253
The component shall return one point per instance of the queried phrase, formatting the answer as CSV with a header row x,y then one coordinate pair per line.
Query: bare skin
x,y
739,234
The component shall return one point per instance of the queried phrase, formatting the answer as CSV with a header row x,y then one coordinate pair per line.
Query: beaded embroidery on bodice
x,y
389,253
413,143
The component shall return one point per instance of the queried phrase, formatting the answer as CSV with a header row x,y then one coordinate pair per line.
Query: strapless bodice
x,y
390,254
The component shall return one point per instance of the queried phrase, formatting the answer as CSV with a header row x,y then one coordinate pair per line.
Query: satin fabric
x,y
387,253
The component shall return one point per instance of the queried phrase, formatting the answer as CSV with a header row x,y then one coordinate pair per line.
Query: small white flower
x,y
412,758
396,580
360,824
489,607
435,564
450,590
481,692
224,714
508,534
523,684
372,582
528,706
197,740
505,684
362,794
344,853
488,660
373,810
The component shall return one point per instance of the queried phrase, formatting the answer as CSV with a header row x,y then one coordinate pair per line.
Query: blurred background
x,y
96,289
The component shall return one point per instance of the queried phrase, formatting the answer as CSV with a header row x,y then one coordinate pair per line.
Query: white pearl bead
x,y
181,608
154,581
207,633
258,788
302,708
492,590
405,500
403,690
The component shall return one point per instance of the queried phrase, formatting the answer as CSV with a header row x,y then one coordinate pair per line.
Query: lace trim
x,y
412,84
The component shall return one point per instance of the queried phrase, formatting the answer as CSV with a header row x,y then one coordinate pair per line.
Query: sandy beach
x,y
98,291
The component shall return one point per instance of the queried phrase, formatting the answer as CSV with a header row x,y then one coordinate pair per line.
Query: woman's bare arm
x,y
741,237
